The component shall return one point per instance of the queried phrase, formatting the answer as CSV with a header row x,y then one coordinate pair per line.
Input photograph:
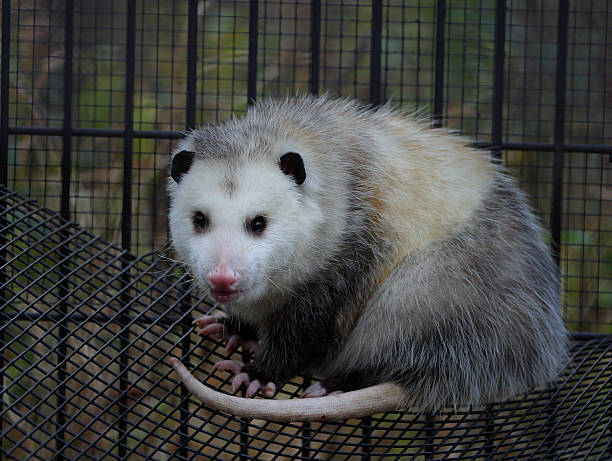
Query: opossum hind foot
x,y
241,378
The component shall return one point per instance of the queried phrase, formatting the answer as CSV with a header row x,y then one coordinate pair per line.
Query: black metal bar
x,y
366,443
96,132
430,432
4,104
128,127
587,336
126,219
185,326
498,81
66,167
547,147
164,134
560,87
375,53
252,64
66,174
192,60
4,90
557,194
315,46
489,429
439,63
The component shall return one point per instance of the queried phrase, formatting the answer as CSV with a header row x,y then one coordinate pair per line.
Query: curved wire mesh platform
x,y
87,330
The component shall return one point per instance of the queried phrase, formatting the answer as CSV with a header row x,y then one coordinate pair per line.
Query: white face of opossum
x,y
237,226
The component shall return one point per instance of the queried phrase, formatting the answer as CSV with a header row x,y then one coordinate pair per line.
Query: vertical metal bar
x,y
4,90
126,216
252,65
498,79
559,137
66,168
375,53
558,166
128,124
66,172
366,444
4,104
315,45
192,58
439,62
430,432
489,429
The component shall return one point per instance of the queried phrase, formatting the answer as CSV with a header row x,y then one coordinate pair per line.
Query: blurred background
x,y
96,93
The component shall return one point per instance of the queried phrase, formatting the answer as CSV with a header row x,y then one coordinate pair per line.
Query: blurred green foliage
x,y
408,57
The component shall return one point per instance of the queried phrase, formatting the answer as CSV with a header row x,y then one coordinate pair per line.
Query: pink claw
x,y
233,366
206,320
211,325
242,379
314,390
253,388
232,343
217,329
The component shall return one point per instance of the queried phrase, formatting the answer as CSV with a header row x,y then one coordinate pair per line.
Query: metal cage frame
x,y
87,326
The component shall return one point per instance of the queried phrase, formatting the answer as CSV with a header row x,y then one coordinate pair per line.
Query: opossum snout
x,y
223,282
223,278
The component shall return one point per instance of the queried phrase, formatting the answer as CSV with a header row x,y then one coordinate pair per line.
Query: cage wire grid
x,y
93,96
88,330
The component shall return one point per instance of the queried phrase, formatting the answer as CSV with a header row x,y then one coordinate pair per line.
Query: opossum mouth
x,y
224,296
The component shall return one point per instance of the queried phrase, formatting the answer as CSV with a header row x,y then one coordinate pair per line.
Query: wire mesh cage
x,y
93,97
89,329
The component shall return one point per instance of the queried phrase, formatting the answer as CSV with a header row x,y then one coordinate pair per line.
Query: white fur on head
x,y
232,191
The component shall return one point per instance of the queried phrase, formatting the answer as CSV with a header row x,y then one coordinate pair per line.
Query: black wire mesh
x,y
93,96
88,330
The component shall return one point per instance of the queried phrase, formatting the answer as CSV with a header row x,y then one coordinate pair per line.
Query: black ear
x,y
292,164
181,162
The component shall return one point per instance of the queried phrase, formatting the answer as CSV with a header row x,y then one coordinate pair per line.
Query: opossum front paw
x,y
210,325
242,378
213,325
317,390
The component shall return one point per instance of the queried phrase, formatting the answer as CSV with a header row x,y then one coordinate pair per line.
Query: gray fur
x,y
480,319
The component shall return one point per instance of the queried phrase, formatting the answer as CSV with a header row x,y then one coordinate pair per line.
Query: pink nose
x,y
222,278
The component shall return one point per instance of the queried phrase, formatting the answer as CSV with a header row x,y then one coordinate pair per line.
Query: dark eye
x,y
200,221
257,225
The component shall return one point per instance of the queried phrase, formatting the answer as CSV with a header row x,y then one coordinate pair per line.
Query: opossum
x,y
360,244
